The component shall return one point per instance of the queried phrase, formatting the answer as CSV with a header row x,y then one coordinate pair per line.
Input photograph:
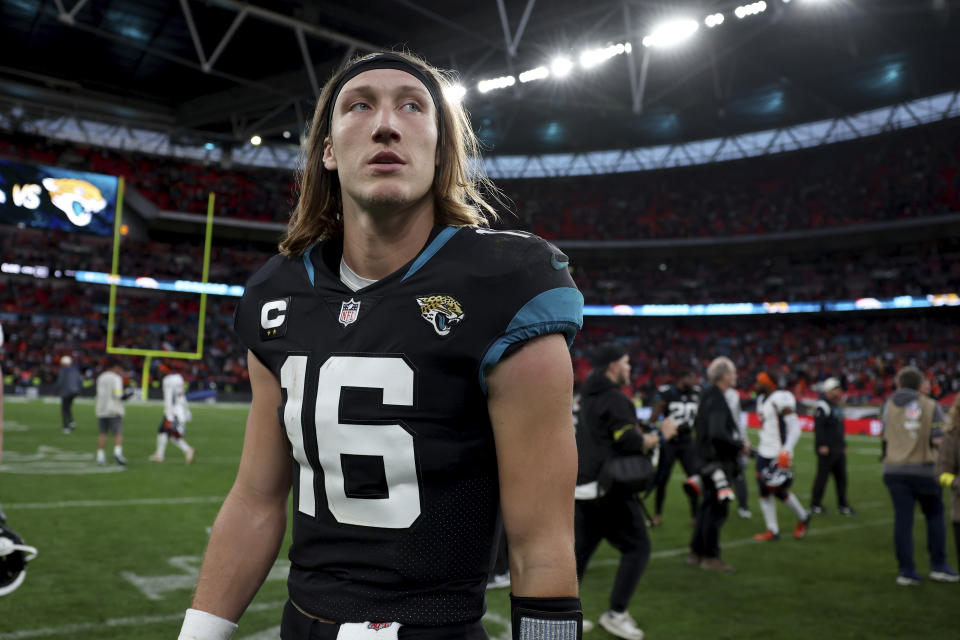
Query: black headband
x,y
385,60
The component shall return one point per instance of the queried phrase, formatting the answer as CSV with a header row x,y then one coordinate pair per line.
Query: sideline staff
x,y
608,427
718,446
912,428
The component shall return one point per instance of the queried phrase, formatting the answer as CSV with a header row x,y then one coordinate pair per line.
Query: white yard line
x,y
133,502
71,629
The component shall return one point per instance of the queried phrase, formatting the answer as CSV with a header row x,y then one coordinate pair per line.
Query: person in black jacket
x,y
831,448
607,427
718,445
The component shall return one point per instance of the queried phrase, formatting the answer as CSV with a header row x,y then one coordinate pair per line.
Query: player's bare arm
x,y
529,401
252,520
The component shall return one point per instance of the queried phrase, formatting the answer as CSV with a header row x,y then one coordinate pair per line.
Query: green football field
x,y
120,548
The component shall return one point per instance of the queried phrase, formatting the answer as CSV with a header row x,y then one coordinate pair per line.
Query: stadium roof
x,y
221,71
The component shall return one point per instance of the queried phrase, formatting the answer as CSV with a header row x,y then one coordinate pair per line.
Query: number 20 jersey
x,y
385,408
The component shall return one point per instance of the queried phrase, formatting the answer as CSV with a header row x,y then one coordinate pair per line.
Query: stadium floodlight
x,y
286,134
561,66
209,146
496,83
592,57
750,9
454,93
713,20
671,33
534,74
255,140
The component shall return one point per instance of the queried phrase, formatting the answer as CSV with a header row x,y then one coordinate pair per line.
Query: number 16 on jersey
x,y
393,444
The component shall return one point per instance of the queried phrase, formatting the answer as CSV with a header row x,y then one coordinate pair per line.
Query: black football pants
x,y
617,518
680,448
836,464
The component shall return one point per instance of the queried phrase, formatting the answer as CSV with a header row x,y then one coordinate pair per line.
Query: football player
x,y
109,410
410,371
779,433
176,415
678,401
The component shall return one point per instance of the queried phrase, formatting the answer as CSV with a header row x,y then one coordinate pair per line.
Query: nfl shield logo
x,y
349,312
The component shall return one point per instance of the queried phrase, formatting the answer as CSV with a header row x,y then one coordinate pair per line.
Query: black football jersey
x,y
384,404
680,405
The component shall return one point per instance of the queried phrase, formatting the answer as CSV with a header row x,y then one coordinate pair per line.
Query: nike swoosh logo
x,y
558,264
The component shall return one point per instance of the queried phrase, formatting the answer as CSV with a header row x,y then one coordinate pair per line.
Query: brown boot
x,y
693,559
718,565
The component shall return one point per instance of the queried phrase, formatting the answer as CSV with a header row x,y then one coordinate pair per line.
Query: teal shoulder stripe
x,y
557,310
431,250
307,263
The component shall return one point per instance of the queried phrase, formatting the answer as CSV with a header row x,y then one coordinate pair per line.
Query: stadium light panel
x,y
255,140
713,20
538,73
750,9
496,83
286,134
561,66
455,93
592,57
209,146
671,33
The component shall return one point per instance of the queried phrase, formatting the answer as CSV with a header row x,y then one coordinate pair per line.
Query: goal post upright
x,y
149,354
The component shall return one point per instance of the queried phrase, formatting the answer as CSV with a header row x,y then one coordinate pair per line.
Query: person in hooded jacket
x,y
608,426
912,431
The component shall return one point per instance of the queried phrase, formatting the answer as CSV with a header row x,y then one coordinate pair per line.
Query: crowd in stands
x,y
904,174
881,272
44,320
907,174
865,352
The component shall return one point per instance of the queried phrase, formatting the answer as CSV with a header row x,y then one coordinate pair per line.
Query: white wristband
x,y
200,625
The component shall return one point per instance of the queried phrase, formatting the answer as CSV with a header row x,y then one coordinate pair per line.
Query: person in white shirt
x,y
779,433
109,409
732,396
176,415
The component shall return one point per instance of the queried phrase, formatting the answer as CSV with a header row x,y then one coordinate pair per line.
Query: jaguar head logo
x,y
441,311
78,199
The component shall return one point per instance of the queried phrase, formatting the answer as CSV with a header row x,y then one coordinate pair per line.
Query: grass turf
x,y
119,549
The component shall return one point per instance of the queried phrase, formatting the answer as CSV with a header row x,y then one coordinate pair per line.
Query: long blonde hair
x,y
458,187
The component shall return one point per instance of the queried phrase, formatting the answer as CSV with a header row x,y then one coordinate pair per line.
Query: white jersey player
x,y
779,433
176,414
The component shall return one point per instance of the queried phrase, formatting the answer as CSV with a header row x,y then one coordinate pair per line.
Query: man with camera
x,y
607,506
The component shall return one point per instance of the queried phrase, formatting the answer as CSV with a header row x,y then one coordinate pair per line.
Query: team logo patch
x,y
377,626
349,311
273,318
441,311
913,411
